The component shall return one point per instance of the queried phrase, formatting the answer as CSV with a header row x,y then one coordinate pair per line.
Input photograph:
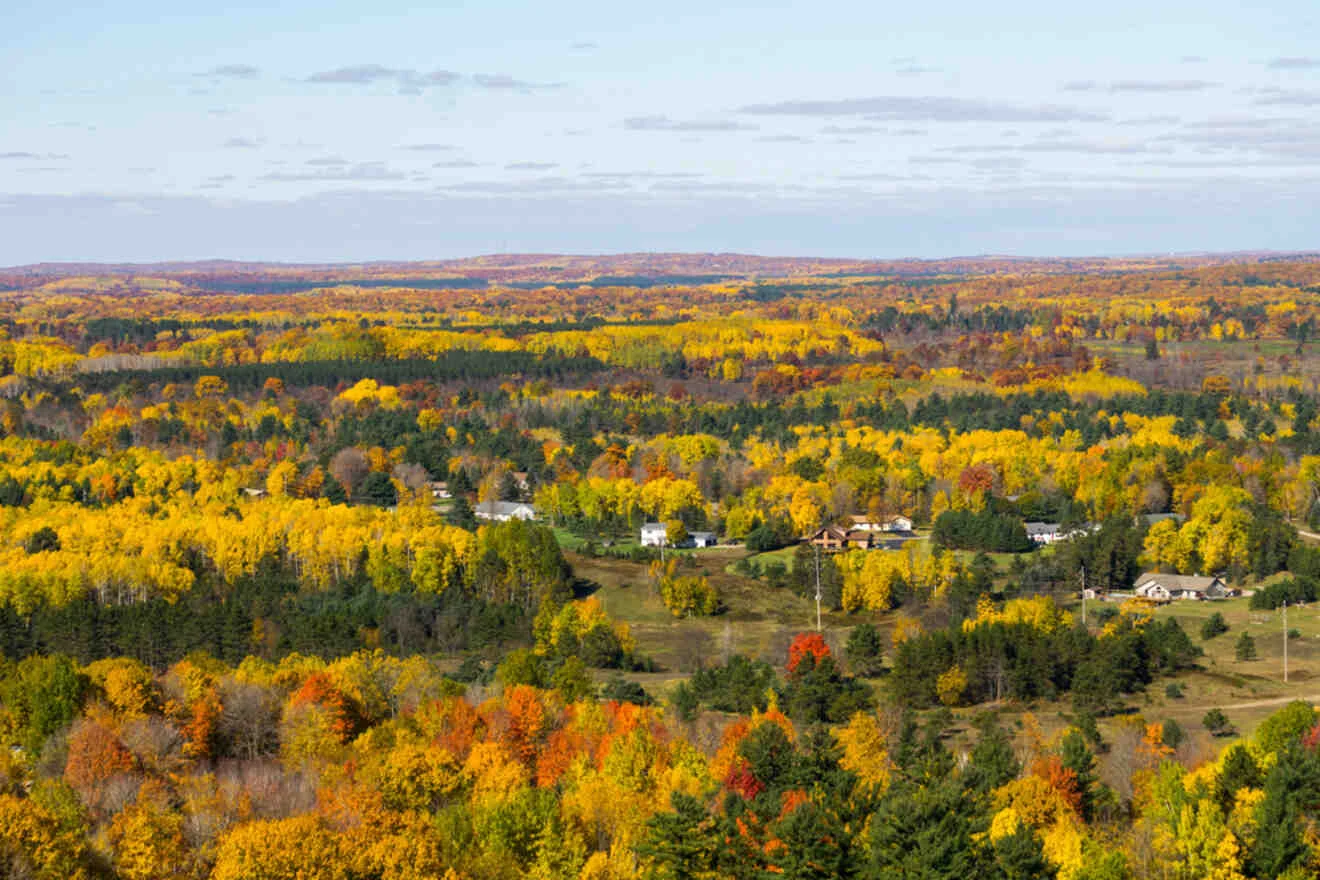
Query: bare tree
x,y
349,467
155,742
693,650
249,719
413,476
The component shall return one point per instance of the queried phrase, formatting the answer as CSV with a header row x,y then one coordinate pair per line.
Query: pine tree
x,y
1019,856
678,845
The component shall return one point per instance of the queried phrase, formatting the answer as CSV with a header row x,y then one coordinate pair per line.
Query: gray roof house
x,y
1168,587
503,511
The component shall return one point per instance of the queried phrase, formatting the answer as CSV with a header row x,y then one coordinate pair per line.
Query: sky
x,y
141,131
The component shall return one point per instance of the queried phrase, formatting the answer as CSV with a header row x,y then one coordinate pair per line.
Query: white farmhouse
x,y
654,534
898,523
1168,587
1042,533
503,511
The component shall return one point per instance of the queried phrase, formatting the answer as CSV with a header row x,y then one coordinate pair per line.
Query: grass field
x,y
784,555
1249,690
760,620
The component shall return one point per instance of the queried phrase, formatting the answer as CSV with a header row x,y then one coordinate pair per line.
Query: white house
x,y
898,523
439,490
1042,532
654,534
861,523
503,511
1168,587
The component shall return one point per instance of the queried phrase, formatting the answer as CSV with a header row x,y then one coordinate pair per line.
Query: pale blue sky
x,y
349,131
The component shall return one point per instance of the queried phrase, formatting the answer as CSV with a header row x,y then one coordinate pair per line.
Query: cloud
x,y
239,143
1246,122
926,109
643,175
584,46
1276,97
1061,145
24,156
854,129
877,176
429,148
361,224
1162,85
326,162
531,166
367,171
361,74
1193,59
1297,143
1141,85
506,82
1150,120
742,187
784,139
232,71
534,186
408,80
455,163
664,123
915,70
1294,63
999,163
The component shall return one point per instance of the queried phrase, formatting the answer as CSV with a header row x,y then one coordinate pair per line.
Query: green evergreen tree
x,y
678,845
865,651
924,833
1019,856
1214,625
993,761
1077,756
377,488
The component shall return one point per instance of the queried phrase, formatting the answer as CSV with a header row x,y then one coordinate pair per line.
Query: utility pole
x,y
818,628
1084,595
1285,641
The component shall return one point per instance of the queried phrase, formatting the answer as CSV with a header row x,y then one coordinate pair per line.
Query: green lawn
x,y
783,554
759,620
1248,690
575,543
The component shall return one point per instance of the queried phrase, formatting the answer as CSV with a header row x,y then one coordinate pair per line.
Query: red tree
x,y
804,644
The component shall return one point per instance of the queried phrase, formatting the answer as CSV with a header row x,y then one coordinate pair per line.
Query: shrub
x,y
622,690
1217,723
1245,647
1214,625
685,702
689,596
